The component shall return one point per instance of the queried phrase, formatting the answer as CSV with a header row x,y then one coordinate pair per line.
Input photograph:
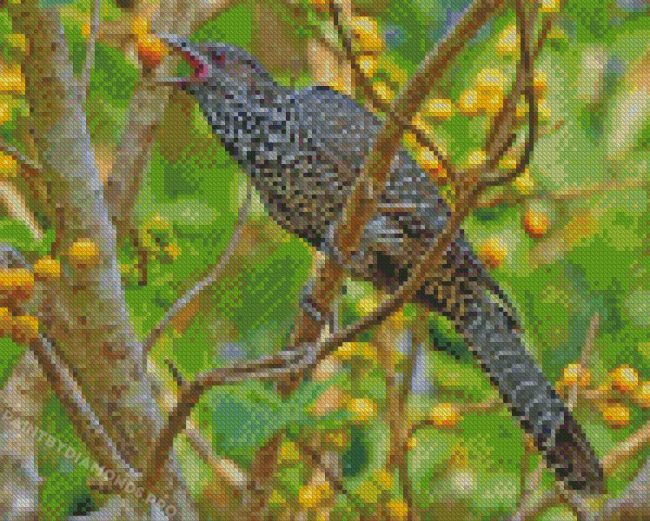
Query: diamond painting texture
x,y
324,260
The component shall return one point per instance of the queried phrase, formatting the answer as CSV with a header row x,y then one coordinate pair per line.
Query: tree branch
x,y
87,315
346,41
87,425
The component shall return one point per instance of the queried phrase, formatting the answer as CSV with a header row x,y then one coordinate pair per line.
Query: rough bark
x,y
87,316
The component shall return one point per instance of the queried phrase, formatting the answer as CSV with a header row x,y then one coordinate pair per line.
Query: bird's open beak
x,y
191,54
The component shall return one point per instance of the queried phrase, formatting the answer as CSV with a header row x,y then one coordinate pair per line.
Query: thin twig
x,y
337,484
583,364
544,501
84,82
214,274
505,119
564,195
369,91
627,449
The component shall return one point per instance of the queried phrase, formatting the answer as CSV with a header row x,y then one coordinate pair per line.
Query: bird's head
x,y
216,66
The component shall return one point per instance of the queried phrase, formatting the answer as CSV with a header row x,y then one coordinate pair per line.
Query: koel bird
x,y
302,150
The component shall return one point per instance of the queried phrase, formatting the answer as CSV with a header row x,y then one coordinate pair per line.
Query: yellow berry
x,y
439,108
83,253
492,253
18,41
309,496
490,81
491,102
444,415
368,493
476,158
419,123
5,114
429,162
383,479
625,379
397,510
368,65
8,165
574,374
411,443
170,252
140,26
6,322
411,140
276,500
12,80
289,453
468,104
345,351
642,395
616,416
151,51
366,33
508,41
540,84
47,269
549,6
16,283
524,183
536,223
383,91
24,329
362,410
325,491
337,439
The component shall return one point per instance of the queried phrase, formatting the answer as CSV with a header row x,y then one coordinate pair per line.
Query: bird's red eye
x,y
218,58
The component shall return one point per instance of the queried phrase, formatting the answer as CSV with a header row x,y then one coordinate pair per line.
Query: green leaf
x,y
18,235
247,416
10,353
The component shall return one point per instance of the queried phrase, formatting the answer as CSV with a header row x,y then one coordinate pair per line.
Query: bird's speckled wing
x,y
349,129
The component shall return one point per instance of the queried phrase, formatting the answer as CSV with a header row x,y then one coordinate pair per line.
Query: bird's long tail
x,y
487,328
